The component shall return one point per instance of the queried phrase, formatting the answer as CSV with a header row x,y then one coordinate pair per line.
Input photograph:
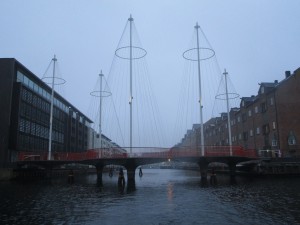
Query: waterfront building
x,y
106,143
268,122
25,114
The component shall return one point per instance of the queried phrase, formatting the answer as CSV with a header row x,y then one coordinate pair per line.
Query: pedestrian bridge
x,y
133,157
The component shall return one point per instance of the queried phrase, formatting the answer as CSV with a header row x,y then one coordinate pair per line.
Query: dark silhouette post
x,y
99,170
232,171
203,169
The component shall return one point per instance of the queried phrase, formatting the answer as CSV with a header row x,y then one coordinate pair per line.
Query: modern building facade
x,y
25,114
269,120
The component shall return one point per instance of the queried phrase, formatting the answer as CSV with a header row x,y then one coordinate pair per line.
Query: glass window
x,y
291,139
249,113
35,87
22,125
26,81
20,76
274,125
251,132
30,84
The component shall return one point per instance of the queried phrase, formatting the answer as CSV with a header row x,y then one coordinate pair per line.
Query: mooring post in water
x,y
232,171
99,170
131,173
71,177
203,170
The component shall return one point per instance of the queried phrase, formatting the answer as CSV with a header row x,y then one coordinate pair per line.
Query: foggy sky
x,y
256,41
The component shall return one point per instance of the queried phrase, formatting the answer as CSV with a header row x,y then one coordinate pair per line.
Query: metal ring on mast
x,y
230,96
209,54
59,81
100,94
119,52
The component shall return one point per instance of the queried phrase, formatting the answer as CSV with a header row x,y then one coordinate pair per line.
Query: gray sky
x,y
256,41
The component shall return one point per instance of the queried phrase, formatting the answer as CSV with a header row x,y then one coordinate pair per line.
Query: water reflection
x,y
158,197
170,191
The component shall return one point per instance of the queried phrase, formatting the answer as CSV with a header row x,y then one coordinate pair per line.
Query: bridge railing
x,y
212,151
145,152
98,153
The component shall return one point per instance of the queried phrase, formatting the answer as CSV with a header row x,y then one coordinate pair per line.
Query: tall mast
x,y
51,109
200,92
131,98
100,108
228,113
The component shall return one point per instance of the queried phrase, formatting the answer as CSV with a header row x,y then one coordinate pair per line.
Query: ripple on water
x,y
161,197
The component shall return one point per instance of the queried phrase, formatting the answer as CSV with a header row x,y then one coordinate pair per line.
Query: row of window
x,y
39,103
41,91
45,94
38,130
32,99
265,130
27,142
34,114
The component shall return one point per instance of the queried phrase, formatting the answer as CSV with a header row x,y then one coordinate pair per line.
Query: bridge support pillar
x,y
130,174
99,170
131,177
232,171
203,170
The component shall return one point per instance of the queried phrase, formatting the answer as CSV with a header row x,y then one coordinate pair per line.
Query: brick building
x,y
269,120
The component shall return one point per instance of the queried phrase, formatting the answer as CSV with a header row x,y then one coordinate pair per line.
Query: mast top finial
x,y
130,18
54,58
101,74
197,26
225,72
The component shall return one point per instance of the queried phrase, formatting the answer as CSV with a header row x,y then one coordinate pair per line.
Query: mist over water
x,y
160,197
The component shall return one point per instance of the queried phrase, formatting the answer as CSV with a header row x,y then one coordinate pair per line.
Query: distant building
x,y
269,120
108,147
25,113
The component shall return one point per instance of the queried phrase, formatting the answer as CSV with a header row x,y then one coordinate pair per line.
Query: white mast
x,y
51,109
228,113
200,92
131,98
100,108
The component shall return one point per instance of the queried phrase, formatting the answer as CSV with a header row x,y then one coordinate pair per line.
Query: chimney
x,y
287,74
276,81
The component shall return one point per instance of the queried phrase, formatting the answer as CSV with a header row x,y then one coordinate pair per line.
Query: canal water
x,y
160,196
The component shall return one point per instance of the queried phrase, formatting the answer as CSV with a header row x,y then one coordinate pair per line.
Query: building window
x,y
240,136
291,138
263,107
244,117
239,119
266,129
274,143
250,113
274,125
245,136
22,125
251,133
271,101
262,90
20,77
257,130
256,109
